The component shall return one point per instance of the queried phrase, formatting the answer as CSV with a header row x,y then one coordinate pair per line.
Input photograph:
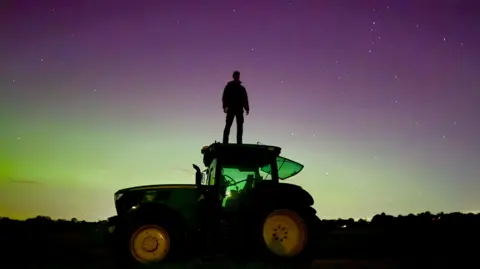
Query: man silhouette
x,y
235,100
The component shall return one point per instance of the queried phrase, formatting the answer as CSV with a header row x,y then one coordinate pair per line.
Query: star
x,y
369,50
41,60
234,10
444,39
417,25
253,49
94,90
326,173
454,123
13,81
281,81
18,137
395,77
373,22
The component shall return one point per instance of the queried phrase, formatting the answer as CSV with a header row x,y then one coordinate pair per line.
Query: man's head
x,y
236,76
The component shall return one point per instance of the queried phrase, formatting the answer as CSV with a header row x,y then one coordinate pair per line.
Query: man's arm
x,y
246,106
225,97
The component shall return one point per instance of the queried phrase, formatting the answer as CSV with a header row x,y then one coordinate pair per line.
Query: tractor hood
x,y
286,168
172,194
155,187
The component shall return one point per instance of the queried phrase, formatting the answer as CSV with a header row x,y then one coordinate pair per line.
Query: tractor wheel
x,y
287,235
148,241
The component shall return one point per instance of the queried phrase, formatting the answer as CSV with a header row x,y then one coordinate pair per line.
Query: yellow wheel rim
x,y
285,233
149,244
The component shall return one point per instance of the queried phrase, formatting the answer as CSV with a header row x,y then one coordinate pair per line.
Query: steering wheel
x,y
231,181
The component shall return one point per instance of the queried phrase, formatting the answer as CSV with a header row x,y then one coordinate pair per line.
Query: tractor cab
x,y
233,170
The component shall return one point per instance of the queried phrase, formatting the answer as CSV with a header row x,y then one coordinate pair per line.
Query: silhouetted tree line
x,y
418,221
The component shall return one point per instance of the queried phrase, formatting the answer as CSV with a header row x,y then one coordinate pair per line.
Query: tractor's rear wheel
x,y
285,233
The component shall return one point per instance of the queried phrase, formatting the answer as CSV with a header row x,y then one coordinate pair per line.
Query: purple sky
x,y
378,99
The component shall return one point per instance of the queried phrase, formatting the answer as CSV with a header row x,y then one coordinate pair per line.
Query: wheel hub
x,y
150,244
280,233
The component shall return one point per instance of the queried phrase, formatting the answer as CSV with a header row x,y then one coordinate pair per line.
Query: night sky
x,y
378,99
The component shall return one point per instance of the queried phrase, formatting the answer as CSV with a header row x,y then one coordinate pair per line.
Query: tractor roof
x,y
248,153
237,151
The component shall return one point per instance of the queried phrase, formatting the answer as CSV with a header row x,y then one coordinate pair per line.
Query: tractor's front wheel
x,y
146,241
149,244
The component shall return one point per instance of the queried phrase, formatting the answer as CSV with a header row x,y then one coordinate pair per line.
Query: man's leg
x,y
228,125
239,117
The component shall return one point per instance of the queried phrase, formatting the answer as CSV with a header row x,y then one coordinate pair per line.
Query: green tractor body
x,y
238,205
181,198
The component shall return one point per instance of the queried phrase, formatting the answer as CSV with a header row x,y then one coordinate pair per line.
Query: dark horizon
x,y
378,99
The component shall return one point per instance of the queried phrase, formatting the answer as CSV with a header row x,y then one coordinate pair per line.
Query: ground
x,y
43,243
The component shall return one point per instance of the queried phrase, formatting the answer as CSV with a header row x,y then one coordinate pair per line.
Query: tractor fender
x,y
153,212
279,193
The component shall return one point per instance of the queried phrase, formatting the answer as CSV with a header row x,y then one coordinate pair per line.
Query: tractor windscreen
x,y
238,178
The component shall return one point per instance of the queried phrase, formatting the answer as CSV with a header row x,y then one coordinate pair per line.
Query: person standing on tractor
x,y
235,101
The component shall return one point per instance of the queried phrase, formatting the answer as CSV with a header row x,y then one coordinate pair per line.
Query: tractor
x,y
238,208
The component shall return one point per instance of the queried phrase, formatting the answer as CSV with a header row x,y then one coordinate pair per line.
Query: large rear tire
x,y
285,235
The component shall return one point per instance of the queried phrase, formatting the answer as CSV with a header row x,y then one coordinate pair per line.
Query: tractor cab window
x,y
204,181
211,172
238,179
286,168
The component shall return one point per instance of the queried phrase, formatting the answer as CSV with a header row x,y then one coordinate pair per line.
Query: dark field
x,y
421,241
